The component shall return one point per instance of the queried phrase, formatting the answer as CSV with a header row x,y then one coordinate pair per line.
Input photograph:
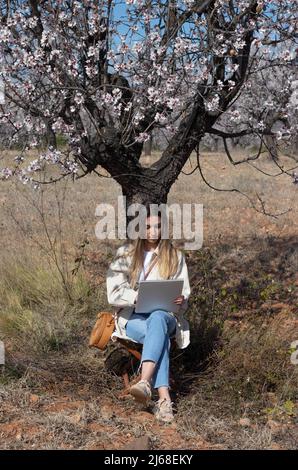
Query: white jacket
x,y
120,294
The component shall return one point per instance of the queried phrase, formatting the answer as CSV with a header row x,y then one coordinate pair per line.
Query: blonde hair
x,y
168,259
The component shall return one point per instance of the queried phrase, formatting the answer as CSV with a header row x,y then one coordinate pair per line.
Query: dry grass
x,y
37,313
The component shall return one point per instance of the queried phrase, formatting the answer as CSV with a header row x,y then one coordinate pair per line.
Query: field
x,y
235,387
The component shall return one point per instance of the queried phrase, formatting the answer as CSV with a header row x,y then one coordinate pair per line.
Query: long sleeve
x,y
119,292
182,273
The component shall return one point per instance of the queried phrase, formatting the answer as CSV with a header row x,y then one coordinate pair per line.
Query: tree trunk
x,y
272,147
151,184
150,192
148,147
51,140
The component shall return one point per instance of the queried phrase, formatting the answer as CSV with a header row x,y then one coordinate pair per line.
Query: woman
x,y
153,329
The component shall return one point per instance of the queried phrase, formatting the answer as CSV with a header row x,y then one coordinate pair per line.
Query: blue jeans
x,y
153,330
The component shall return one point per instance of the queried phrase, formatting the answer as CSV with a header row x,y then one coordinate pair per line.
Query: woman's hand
x,y
179,300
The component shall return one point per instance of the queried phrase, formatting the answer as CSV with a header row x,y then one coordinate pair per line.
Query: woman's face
x,y
153,228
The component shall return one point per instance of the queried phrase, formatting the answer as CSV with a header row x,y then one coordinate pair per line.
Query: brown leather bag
x,y
105,323
102,330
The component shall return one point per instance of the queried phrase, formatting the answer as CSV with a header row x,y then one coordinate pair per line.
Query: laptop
x,y
158,295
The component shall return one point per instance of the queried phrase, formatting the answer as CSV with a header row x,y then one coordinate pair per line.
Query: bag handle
x,y
152,264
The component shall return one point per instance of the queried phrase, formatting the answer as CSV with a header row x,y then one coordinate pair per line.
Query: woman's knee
x,y
161,315
163,318
136,329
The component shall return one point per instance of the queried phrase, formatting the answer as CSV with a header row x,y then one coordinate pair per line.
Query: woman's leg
x,y
161,374
163,410
155,336
160,326
136,328
153,331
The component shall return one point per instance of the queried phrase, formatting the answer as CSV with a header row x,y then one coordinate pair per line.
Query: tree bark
x,y
272,147
148,147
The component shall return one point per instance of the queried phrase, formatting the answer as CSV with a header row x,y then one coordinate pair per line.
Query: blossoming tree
x,y
106,74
